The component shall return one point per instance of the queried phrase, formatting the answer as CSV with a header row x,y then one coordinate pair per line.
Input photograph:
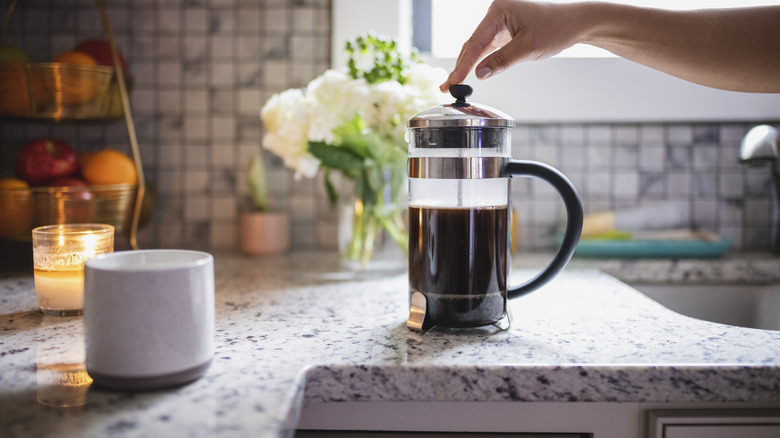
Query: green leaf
x,y
351,130
356,126
360,145
333,194
374,146
335,157
373,185
388,153
257,182
389,63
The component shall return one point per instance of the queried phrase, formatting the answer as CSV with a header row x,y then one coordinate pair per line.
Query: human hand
x,y
732,49
515,31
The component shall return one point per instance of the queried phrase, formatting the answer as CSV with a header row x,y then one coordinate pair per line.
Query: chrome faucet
x,y
760,147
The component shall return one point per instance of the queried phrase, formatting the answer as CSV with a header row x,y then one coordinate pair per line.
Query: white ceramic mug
x,y
149,318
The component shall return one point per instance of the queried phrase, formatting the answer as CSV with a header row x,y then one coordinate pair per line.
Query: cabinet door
x,y
714,423
383,434
722,431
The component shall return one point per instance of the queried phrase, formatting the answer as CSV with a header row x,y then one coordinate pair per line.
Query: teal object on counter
x,y
605,248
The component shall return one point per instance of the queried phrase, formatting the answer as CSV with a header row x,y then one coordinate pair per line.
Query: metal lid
x,y
461,113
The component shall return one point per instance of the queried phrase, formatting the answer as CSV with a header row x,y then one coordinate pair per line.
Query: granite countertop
x,y
295,329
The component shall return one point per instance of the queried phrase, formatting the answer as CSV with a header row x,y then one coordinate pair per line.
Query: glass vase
x,y
372,233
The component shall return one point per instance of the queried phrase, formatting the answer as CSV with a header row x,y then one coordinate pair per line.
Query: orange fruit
x,y
17,86
71,84
16,209
13,183
109,166
79,58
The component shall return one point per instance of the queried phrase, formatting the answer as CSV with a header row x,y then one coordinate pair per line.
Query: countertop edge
x,y
645,383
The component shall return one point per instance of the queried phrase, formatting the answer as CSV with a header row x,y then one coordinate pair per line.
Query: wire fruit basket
x,y
22,209
59,91
56,92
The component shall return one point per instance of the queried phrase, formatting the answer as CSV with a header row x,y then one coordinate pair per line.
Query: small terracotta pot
x,y
264,233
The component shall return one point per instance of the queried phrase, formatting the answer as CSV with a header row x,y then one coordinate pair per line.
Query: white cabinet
x,y
368,434
714,424
592,420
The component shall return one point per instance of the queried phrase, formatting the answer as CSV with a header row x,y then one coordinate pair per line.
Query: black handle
x,y
574,214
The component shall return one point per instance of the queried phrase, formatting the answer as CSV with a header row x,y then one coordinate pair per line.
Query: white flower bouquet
x,y
354,122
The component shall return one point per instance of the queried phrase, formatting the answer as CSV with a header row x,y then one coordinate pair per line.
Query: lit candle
x,y
59,253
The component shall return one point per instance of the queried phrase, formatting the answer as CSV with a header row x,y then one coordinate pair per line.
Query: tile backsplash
x,y
621,166
202,69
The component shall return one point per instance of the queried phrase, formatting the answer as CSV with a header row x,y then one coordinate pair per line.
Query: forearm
x,y
735,49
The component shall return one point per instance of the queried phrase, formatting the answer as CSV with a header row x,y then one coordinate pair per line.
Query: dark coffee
x,y
458,260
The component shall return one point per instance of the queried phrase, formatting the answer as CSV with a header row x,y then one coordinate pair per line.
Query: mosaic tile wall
x,y
692,166
203,68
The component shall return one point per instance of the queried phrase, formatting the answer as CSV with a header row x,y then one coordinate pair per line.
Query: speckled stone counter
x,y
294,330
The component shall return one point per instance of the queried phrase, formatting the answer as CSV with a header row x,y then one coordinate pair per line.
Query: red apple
x,y
67,181
101,51
43,160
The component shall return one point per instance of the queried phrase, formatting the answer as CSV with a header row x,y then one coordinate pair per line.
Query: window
x,y
571,88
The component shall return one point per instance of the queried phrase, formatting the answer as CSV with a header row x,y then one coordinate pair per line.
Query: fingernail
x,y
484,72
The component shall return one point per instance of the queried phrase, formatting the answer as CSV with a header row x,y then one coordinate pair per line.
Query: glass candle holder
x,y
59,253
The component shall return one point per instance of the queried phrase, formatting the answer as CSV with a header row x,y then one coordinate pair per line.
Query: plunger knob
x,y
460,92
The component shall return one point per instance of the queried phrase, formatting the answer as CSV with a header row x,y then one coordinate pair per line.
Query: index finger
x,y
477,46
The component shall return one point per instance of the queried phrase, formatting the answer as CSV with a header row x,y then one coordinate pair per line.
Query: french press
x,y
460,168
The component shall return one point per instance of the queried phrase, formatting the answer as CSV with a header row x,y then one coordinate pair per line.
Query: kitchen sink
x,y
751,305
